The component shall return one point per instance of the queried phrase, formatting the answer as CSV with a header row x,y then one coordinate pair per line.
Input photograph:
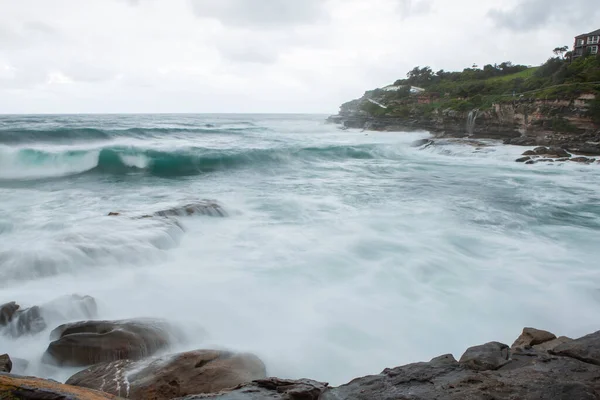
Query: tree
x,y
560,51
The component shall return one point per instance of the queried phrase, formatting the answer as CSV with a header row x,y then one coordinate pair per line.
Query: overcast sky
x,y
74,56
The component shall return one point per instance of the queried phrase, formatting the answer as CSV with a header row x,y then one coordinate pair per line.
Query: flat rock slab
x,y
586,349
27,388
272,388
196,372
92,342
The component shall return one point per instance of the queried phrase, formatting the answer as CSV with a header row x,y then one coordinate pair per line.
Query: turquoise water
x,y
344,252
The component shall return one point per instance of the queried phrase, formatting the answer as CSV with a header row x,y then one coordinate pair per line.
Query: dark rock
x,y
530,162
196,372
540,150
523,159
113,214
586,150
27,388
531,337
583,160
557,152
529,153
204,207
421,142
487,357
5,363
7,312
272,388
586,349
91,342
562,159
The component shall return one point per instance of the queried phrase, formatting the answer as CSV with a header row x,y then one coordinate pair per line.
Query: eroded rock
x,y
91,342
196,372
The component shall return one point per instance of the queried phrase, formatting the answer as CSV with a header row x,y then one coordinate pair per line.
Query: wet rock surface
x,y
91,342
28,388
196,372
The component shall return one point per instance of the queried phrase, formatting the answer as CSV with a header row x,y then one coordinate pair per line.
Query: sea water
x,y
343,252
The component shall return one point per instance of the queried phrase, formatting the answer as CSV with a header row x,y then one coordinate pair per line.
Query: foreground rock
x,y
16,321
26,388
538,366
196,372
272,388
5,363
91,342
551,154
204,207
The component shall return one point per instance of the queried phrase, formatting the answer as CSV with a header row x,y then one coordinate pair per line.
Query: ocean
x,y
343,252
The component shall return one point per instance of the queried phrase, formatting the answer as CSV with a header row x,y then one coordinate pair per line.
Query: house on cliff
x,y
586,43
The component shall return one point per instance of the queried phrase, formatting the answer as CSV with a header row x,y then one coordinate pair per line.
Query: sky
x,y
248,56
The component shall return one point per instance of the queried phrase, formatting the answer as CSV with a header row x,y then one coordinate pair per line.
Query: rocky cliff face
x,y
563,123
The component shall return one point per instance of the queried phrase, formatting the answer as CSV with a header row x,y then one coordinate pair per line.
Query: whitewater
x,y
343,252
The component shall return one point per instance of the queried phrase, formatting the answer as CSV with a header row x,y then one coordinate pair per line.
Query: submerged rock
x,y
27,388
583,160
196,372
91,342
523,159
421,142
17,322
5,363
204,207
272,388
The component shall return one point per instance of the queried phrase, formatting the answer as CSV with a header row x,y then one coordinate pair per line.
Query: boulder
x,y
523,159
5,363
531,337
586,349
529,153
91,342
196,372
552,344
23,322
541,150
272,388
27,388
487,357
530,162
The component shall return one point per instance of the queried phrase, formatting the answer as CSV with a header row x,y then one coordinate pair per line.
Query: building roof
x,y
596,32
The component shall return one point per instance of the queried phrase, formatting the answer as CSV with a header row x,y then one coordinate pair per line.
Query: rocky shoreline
x,y
551,123
538,365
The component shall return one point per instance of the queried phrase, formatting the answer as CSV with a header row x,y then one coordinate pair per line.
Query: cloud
x,y
410,8
266,14
530,15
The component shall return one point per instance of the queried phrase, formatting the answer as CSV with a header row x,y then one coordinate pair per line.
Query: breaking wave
x,y
32,163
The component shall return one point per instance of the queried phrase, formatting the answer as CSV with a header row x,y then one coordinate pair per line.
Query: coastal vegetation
x,y
559,78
